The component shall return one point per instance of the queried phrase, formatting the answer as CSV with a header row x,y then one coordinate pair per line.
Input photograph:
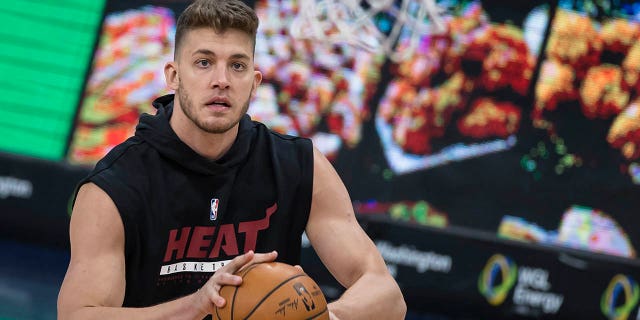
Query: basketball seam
x,y
270,292
235,292
233,302
248,268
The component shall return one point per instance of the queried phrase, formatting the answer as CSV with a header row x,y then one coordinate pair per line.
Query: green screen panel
x,y
44,56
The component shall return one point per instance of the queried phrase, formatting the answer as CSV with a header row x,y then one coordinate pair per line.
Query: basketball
x,y
273,290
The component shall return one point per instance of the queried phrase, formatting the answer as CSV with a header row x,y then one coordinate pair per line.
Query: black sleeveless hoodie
x,y
185,215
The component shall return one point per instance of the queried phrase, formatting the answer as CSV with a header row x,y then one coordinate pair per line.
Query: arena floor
x,y
30,277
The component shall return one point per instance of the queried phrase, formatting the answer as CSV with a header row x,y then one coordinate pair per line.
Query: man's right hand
x,y
208,297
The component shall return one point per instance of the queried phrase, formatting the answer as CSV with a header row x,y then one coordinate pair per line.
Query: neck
x,y
209,145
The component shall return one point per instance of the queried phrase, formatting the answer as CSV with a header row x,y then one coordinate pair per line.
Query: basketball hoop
x,y
347,21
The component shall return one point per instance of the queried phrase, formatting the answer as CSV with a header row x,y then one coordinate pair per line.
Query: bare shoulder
x,y
90,194
328,188
95,213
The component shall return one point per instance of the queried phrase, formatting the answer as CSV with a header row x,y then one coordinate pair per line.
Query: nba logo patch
x,y
213,213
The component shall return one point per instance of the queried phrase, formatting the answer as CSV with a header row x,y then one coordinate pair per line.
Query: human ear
x,y
257,79
171,75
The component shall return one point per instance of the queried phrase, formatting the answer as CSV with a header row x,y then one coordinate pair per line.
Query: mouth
x,y
218,102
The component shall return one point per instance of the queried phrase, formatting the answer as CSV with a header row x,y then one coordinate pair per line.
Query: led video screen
x,y
512,122
45,53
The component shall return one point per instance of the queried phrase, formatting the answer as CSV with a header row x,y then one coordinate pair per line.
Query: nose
x,y
220,78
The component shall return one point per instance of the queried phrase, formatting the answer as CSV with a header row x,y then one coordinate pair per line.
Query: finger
x,y
265,257
225,276
227,279
260,258
216,282
238,262
210,294
216,299
298,267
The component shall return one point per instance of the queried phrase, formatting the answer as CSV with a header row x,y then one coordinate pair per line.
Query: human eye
x,y
203,63
238,66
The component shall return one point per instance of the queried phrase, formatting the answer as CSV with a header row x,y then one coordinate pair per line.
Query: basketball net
x,y
346,21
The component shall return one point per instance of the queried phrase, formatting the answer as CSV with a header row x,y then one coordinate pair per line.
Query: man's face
x,y
215,78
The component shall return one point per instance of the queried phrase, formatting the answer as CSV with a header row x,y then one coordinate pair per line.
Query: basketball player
x,y
201,187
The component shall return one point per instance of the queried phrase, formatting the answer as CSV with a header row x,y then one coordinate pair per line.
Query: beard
x,y
217,127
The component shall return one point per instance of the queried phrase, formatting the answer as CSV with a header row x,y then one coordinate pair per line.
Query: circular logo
x,y
497,278
620,297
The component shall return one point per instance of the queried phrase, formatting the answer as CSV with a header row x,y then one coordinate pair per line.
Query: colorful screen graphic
x,y
477,124
313,89
45,53
586,123
462,93
127,74
587,96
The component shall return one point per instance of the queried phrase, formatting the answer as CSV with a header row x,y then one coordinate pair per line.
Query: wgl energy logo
x,y
497,278
620,297
531,286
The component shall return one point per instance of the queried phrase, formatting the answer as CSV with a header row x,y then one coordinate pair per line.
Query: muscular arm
x,y
348,253
94,285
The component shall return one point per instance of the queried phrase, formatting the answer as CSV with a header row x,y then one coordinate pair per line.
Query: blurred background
x,y
491,149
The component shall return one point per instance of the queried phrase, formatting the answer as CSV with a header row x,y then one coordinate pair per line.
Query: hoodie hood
x,y
156,130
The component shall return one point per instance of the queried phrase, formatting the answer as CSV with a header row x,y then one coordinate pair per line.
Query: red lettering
x,y
226,234
199,239
177,244
198,242
251,228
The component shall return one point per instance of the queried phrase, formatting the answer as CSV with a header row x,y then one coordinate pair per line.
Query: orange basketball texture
x,y
273,291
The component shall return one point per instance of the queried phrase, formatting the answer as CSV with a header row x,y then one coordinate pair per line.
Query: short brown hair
x,y
219,15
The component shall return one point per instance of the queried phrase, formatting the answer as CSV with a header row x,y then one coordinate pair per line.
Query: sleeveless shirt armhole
x,y
122,199
305,153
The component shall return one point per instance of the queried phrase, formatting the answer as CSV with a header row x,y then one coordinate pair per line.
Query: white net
x,y
358,24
